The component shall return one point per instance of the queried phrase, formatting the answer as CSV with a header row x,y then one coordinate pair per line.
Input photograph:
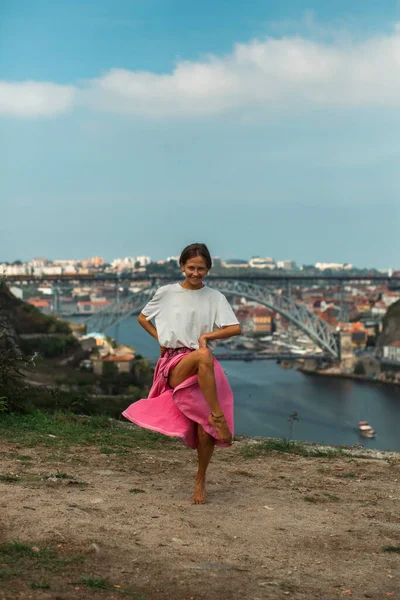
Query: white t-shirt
x,y
182,315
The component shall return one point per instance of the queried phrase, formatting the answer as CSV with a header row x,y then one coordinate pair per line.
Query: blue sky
x,y
262,128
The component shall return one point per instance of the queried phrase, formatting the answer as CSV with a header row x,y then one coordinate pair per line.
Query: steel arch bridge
x,y
310,324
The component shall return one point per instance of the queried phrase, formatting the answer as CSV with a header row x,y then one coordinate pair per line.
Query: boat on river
x,y
365,429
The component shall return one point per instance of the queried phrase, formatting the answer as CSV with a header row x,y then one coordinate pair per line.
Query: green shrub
x,y
49,347
359,368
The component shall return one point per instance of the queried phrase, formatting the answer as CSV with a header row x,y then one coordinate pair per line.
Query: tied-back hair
x,y
194,250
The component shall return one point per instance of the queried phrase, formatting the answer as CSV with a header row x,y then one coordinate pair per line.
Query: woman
x,y
190,397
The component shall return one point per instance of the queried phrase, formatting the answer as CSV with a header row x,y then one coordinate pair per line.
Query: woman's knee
x,y
205,356
204,437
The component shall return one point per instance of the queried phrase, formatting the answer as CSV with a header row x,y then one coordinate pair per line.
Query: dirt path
x,y
277,526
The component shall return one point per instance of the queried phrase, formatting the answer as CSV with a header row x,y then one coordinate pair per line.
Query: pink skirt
x,y
176,411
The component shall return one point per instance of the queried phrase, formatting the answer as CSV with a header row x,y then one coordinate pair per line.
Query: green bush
x,y
359,368
49,347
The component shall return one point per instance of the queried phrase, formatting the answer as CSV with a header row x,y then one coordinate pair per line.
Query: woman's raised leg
x,y
205,448
202,362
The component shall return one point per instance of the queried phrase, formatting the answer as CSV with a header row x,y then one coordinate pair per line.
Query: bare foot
x,y
199,495
221,427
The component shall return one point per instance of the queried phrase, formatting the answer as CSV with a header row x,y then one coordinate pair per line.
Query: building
x,y
96,261
333,266
143,260
14,269
287,265
41,304
379,308
89,307
257,262
65,262
359,335
124,363
235,263
259,321
392,352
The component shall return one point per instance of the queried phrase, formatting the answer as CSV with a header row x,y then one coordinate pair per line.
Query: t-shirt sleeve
x,y
225,315
152,308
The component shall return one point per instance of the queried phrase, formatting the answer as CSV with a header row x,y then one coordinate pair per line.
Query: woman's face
x,y
195,269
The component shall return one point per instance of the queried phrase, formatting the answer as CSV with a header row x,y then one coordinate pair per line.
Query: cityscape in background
x,y
140,264
355,308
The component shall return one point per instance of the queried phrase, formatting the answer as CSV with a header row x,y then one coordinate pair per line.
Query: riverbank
x,y
94,508
341,375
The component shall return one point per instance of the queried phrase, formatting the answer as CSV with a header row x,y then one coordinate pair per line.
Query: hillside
x,y
25,318
391,326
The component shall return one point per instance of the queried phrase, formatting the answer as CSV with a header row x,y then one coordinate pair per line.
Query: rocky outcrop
x,y
391,326
9,340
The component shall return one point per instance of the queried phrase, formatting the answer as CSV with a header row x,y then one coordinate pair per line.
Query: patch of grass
x,y
102,583
95,582
61,475
36,585
136,491
19,559
391,549
332,497
60,431
349,475
23,458
112,451
9,478
311,499
289,447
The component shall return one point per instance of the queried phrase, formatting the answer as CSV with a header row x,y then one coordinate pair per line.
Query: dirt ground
x,y
275,526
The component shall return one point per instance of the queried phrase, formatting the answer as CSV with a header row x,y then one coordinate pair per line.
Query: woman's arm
x,y
149,327
219,334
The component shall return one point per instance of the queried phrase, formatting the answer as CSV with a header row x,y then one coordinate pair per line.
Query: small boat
x,y
365,429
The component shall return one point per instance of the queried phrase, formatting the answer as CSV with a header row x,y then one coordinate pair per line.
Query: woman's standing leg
x,y
205,448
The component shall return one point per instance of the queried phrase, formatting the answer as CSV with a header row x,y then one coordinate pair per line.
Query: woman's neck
x,y
189,286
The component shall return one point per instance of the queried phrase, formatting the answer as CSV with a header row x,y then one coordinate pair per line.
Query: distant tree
x,y
17,262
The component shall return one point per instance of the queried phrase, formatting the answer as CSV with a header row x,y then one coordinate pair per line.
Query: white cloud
x,y
288,72
35,99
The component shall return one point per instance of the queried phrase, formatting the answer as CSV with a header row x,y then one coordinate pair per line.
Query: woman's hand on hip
x,y
163,350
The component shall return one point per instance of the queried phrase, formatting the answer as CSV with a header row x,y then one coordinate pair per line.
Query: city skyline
x,y
138,129
134,262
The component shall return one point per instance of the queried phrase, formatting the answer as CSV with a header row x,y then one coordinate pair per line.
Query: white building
x,y
287,265
47,271
333,266
143,260
256,262
390,298
14,269
234,263
392,352
37,263
65,262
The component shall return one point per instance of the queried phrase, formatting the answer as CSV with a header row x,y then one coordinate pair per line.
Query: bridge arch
x,y
310,324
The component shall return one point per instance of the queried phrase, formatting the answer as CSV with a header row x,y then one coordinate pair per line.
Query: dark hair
x,y
195,250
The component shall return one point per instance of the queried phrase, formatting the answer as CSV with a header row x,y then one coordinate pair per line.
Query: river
x,y
266,394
